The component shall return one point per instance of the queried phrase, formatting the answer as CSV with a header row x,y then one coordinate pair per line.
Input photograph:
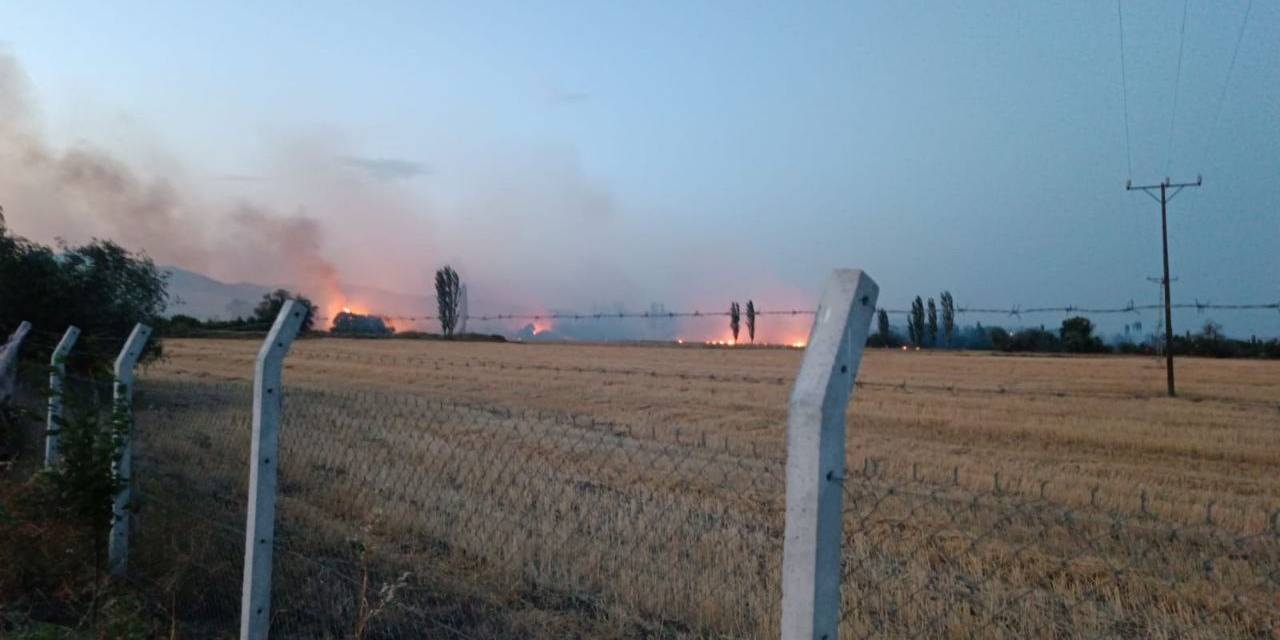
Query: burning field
x,y
509,490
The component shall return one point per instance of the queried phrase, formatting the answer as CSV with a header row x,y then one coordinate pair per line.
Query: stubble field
x,y
636,491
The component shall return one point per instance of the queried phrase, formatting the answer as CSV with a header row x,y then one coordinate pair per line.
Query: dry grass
x,y
624,491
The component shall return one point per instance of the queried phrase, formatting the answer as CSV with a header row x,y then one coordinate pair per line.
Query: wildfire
x,y
344,305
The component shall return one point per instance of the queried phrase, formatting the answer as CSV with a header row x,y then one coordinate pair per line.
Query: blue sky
x,y
574,154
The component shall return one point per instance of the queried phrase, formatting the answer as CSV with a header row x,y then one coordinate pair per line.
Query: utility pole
x,y
1164,199
1159,322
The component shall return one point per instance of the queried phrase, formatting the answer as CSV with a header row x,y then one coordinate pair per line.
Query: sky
x,y
588,155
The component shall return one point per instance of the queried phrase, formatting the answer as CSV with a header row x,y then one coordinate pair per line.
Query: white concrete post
x,y
9,362
259,534
57,371
122,401
815,457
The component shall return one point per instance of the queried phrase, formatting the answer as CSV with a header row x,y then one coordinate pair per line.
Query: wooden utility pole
x,y
1164,199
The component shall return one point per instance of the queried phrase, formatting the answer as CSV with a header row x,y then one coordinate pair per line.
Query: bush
x,y
1077,336
1028,340
99,287
347,323
53,539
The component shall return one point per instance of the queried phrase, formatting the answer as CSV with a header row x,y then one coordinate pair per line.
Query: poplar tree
x,y
882,319
933,323
448,294
948,317
735,314
915,322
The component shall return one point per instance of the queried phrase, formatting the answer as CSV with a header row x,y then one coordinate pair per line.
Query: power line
x,y
1177,82
1124,92
1213,128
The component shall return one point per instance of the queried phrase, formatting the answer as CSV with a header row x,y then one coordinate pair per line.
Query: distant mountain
x,y
202,297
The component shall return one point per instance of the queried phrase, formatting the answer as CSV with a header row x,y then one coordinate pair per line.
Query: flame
x,y
540,327
347,306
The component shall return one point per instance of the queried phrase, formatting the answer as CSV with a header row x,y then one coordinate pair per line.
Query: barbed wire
x,y
1012,311
106,345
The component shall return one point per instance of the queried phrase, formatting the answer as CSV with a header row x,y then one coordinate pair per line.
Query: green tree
x,y
1077,336
735,314
933,323
1000,339
99,286
269,307
948,317
33,283
448,296
751,321
882,320
915,322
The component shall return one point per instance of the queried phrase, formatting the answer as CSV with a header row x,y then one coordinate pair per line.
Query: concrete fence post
x,y
259,535
122,406
9,362
57,371
815,457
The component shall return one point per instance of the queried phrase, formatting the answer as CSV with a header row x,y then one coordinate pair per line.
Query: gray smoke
x,y
83,192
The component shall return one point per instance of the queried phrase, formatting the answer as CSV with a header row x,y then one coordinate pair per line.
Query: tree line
x,y
932,325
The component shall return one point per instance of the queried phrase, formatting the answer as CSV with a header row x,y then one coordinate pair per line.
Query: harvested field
x,y
636,491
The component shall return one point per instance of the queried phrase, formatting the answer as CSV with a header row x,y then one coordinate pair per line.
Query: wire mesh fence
x,y
416,512
928,558
411,514
393,508
191,450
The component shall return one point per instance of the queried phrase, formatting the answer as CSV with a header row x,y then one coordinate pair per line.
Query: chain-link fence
x,y
404,514
929,557
400,515
191,451
415,511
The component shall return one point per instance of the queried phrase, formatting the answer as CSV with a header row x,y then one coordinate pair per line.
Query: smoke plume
x,y
523,223
82,192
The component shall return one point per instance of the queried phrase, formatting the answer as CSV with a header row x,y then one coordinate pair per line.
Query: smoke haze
x,y
527,229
